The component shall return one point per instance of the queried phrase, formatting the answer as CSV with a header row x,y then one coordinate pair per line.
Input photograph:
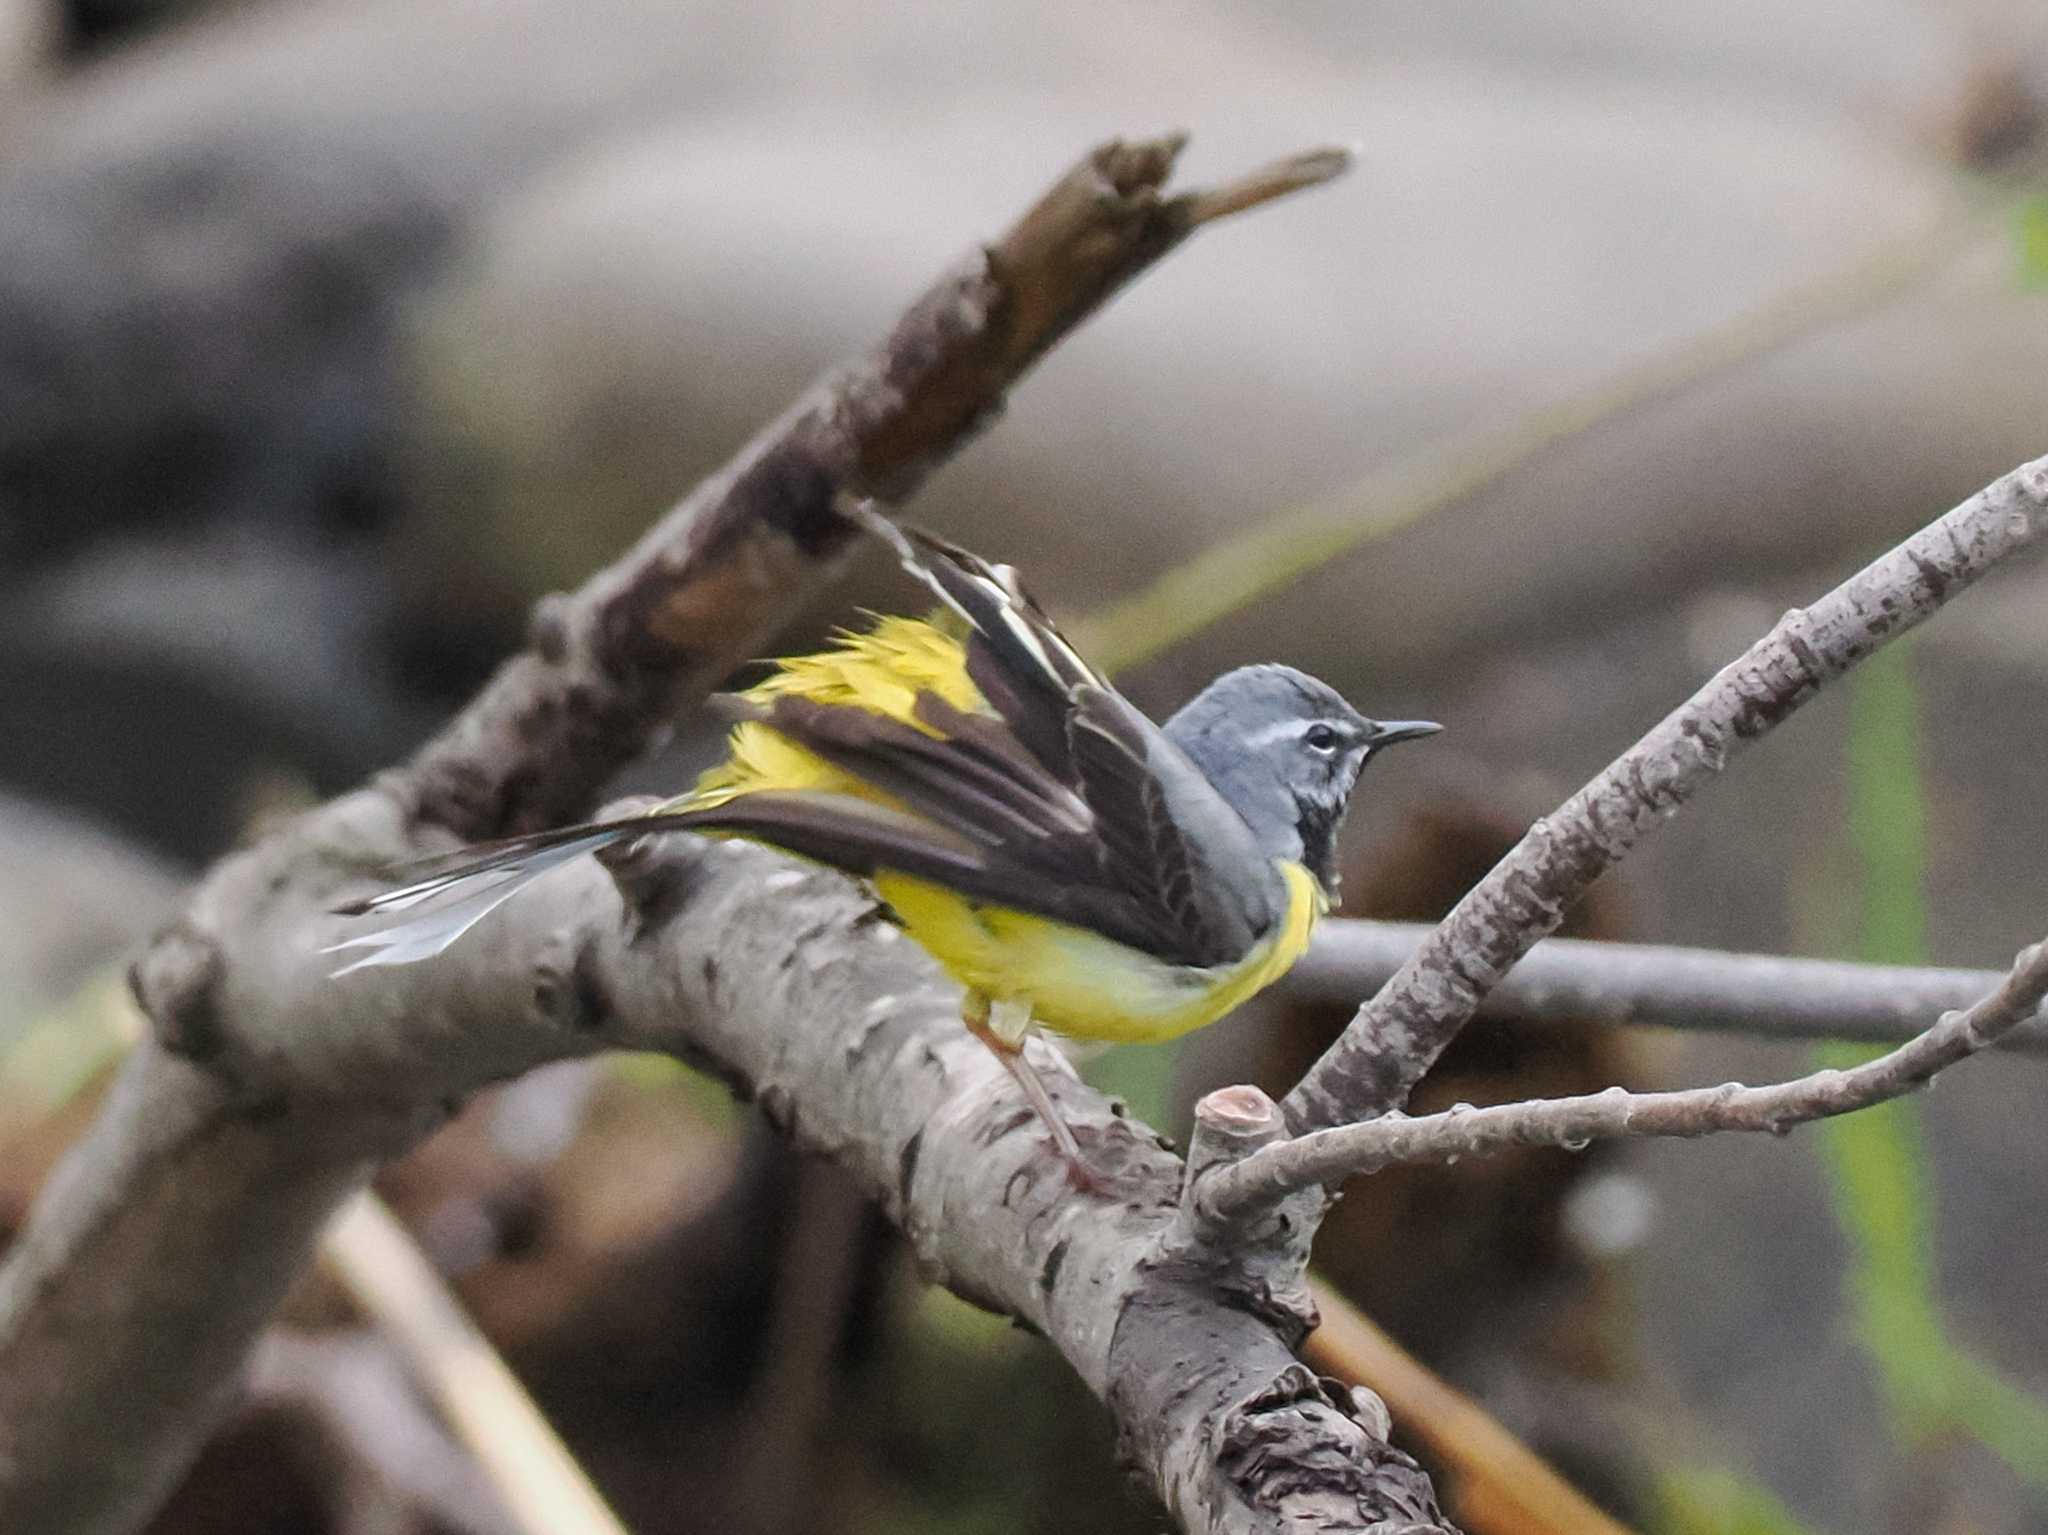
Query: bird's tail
x,y
827,803
433,912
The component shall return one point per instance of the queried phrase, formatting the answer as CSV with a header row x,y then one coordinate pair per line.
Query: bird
x,y
1075,867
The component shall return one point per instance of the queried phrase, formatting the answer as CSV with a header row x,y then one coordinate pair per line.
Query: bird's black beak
x,y
1387,732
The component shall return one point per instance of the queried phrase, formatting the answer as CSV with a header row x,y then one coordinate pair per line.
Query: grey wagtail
x,y
1071,864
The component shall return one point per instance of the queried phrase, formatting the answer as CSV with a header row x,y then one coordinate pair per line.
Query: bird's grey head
x,y
1284,750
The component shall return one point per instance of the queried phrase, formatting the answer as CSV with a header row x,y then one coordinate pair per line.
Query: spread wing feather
x,y
846,832
1021,664
994,743
953,783
1062,800
1166,836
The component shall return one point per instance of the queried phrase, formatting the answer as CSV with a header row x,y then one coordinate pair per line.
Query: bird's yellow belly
x,y
1082,984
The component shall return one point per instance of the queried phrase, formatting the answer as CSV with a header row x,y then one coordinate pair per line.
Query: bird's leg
x,y
1007,1045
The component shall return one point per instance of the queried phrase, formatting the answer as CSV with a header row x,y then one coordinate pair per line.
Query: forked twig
x,y
1396,1036
1330,1156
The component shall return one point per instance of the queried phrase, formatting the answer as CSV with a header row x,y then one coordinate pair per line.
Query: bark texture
x,y
780,978
129,1303
1283,1171
1399,1033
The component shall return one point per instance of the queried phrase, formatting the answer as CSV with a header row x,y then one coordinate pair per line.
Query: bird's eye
x,y
1321,738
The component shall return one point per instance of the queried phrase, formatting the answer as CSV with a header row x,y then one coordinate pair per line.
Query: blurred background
x,y
331,334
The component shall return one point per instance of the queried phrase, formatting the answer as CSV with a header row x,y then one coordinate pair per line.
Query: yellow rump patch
x,y
882,669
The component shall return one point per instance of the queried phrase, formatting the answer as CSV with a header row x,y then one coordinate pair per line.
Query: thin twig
x,y
1282,178
1396,1036
1663,986
1330,1156
539,1481
395,1449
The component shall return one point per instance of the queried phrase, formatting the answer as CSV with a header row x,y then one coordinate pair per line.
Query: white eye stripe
x,y
1284,730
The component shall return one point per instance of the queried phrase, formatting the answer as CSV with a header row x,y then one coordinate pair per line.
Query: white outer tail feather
x,y
440,909
447,906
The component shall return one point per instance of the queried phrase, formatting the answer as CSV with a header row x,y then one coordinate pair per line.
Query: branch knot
x,y
176,982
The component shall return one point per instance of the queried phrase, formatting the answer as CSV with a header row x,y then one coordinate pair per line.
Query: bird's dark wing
x,y
846,832
1166,838
1021,664
1180,864
1063,801
865,838
1015,835
972,778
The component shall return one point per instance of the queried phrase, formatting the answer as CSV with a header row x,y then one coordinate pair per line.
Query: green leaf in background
x,y
1876,1161
709,1099
1879,1180
1694,1500
1142,1076
2030,241
58,1052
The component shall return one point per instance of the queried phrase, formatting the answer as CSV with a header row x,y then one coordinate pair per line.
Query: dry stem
x,y
1396,1036
1281,1171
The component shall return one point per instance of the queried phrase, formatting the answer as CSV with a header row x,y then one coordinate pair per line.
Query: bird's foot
x,y
1082,1174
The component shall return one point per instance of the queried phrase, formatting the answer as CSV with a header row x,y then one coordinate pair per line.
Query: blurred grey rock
x,y
202,335
661,219
73,897
617,326
446,300
27,38
166,686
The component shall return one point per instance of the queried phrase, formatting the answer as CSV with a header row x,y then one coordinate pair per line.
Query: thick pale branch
x,y
130,1299
780,978
1665,987
123,1317
1398,1034
844,1033
1281,1171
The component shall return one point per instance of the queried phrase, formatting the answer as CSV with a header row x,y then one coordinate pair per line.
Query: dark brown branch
x,y
1396,1036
